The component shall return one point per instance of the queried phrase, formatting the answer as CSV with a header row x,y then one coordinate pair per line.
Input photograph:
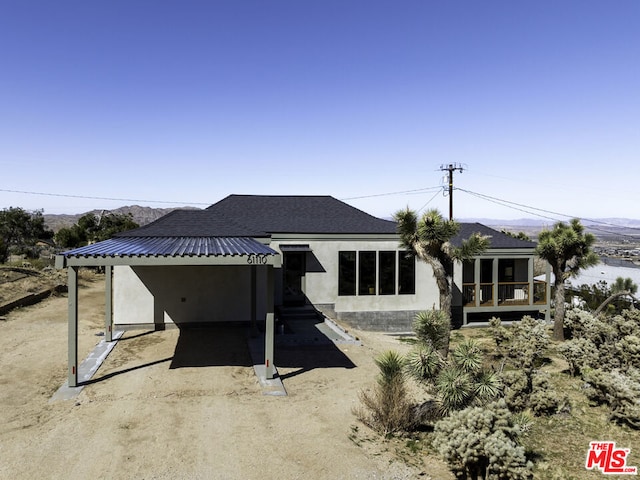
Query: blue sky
x,y
187,102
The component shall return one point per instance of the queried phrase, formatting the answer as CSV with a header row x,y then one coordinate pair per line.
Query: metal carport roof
x,y
171,251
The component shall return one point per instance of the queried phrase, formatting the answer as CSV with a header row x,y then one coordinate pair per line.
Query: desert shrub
x,y
516,390
543,400
482,442
525,346
500,334
387,409
579,353
620,391
606,352
606,343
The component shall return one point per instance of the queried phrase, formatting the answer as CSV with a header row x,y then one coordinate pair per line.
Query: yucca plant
x,y
467,356
432,327
387,408
455,389
423,363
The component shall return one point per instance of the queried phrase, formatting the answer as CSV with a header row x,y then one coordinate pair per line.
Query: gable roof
x,y
263,215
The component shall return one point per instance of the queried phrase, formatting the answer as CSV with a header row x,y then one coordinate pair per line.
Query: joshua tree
x,y
624,287
568,249
429,239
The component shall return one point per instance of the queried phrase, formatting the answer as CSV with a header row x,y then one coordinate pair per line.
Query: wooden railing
x,y
509,293
469,294
513,293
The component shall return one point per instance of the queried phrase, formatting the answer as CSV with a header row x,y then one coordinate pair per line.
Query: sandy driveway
x,y
157,410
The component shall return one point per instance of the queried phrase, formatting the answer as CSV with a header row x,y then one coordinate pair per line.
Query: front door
x,y
294,267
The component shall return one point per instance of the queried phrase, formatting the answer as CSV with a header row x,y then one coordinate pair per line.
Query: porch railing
x,y
513,293
469,294
509,293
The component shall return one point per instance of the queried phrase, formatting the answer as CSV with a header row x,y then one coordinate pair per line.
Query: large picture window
x,y
376,273
367,273
387,273
347,273
407,277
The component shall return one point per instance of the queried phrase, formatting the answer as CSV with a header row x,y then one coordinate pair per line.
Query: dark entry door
x,y
294,270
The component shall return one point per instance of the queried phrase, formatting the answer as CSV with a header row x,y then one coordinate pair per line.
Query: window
x,y
347,273
367,273
407,276
370,273
387,273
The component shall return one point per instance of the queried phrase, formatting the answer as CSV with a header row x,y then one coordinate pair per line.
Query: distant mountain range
x,y
141,215
534,222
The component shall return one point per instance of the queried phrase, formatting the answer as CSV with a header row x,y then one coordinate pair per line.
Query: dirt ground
x,y
159,408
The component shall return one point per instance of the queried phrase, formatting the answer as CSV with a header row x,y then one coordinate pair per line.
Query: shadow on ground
x,y
304,348
212,345
310,357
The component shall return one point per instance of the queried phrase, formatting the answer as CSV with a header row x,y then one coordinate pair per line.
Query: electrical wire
x,y
87,197
527,209
403,192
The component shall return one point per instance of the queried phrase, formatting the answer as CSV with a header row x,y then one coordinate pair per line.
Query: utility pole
x,y
452,167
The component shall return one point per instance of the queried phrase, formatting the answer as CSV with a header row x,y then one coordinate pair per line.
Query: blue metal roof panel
x,y
172,247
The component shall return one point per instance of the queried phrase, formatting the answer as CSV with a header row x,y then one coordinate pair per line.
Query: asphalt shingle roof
x,y
263,215
260,216
498,239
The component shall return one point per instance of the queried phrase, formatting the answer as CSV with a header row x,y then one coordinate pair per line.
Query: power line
x,y
87,197
404,192
509,204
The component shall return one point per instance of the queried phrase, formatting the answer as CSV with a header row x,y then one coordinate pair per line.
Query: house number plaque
x,y
257,259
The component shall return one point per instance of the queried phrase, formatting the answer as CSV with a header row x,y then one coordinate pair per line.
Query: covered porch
x,y
149,252
495,285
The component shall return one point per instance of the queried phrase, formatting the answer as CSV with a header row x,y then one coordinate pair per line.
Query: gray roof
x,y
497,240
263,215
231,226
172,247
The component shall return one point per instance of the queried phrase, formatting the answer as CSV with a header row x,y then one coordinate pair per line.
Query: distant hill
x,y
605,229
141,215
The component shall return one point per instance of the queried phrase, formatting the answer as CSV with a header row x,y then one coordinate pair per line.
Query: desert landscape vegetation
x,y
153,411
504,401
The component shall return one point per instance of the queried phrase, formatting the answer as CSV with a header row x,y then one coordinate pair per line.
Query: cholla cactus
x,y
621,391
482,442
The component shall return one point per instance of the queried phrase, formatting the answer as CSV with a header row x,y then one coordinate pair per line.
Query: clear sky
x,y
188,101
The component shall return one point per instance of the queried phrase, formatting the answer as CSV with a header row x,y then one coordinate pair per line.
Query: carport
x,y
150,251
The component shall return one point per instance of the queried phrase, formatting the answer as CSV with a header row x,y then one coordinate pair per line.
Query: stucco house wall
x,y
185,294
386,312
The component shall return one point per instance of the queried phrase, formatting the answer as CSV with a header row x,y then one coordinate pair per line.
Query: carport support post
x,y
72,284
108,303
269,328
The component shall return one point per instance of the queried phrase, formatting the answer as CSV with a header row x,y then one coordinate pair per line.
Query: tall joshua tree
x,y
567,247
429,239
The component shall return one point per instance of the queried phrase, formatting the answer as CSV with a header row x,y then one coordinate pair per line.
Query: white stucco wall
x,y
322,278
185,294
